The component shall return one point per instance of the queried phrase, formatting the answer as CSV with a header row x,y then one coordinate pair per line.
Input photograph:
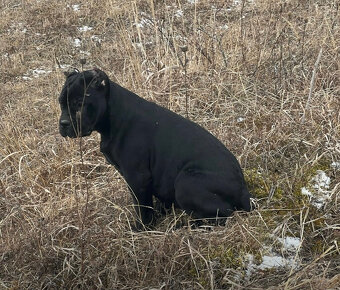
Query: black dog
x,y
158,152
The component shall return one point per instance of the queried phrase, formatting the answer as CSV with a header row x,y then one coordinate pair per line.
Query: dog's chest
x,y
105,149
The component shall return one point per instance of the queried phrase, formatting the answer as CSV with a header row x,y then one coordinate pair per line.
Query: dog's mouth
x,y
69,132
87,133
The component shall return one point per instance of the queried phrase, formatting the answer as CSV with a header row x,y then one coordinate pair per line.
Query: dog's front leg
x,y
144,209
141,190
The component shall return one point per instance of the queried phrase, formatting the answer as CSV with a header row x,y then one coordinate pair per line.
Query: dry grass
x,y
251,60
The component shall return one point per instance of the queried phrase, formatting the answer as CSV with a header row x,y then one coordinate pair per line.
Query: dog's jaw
x,y
69,132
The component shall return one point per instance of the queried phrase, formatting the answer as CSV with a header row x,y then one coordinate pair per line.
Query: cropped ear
x,y
70,72
101,80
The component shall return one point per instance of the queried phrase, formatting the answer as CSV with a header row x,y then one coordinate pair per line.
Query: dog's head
x,y
82,102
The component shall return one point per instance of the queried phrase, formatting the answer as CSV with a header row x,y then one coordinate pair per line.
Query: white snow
x,y
322,181
305,191
318,189
35,73
335,165
240,119
179,13
96,38
85,52
251,266
143,22
18,27
85,28
224,27
76,7
40,71
76,42
291,244
269,262
273,260
63,66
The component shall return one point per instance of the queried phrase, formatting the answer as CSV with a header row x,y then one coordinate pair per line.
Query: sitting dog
x,y
158,152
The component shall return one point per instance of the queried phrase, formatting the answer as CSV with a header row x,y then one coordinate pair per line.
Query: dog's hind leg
x,y
202,200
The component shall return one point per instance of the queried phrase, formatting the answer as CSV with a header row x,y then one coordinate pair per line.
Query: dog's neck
x,y
103,126
118,113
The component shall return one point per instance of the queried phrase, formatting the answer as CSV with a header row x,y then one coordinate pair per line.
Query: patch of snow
x,y
251,266
322,181
291,244
192,1
181,38
305,191
179,13
85,52
237,3
273,260
85,28
63,66
143,22
35,73
335,165
96,38
76,7
318,189
141,45
18,27
240,119
40,71
76,42
269,262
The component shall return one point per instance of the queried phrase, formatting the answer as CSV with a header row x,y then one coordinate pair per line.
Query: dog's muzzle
x,y
66,130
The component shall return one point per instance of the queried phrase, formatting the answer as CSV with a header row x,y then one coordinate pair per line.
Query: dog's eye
x,y
78,104
90,111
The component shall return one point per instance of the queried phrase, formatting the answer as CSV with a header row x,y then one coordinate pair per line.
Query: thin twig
x,y
311,87
82,246
185,49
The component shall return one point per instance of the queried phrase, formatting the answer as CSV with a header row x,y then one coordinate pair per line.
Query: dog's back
x,y
179,151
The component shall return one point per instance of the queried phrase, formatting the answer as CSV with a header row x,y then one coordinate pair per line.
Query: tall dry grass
x,y
247,79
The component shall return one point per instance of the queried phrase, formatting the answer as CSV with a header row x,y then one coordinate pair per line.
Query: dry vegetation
x,y
65,223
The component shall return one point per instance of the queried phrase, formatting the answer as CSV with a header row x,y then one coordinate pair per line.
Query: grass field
x,y
263,76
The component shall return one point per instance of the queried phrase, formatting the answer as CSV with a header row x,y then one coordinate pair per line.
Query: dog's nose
x,y
64,123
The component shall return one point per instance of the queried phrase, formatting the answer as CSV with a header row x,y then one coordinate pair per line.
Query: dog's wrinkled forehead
x,y
76,85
